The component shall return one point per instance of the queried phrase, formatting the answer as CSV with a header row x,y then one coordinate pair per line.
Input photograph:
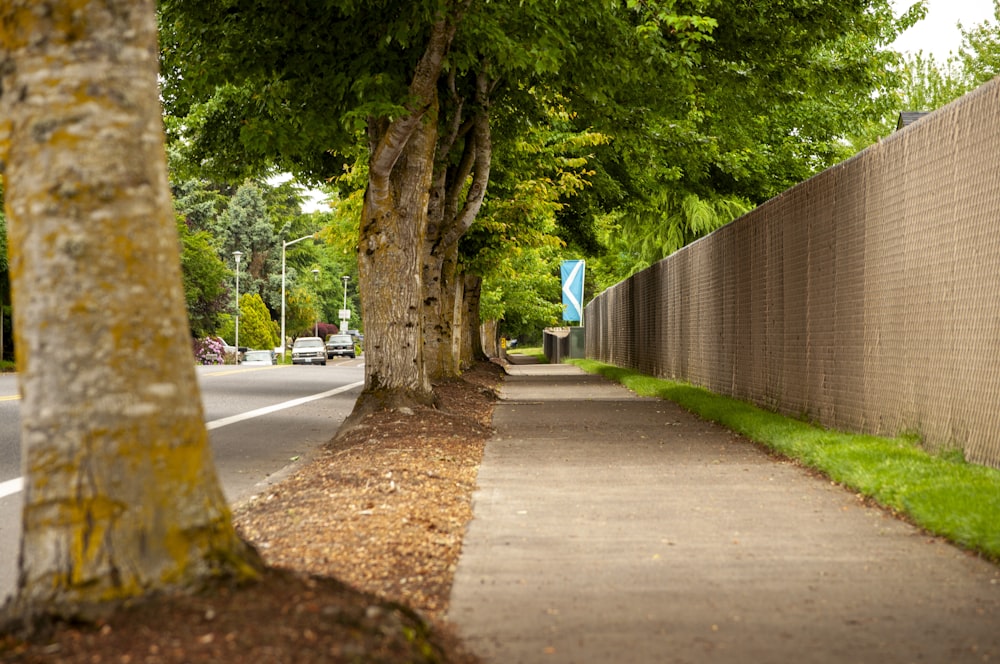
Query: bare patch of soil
x,y
361,546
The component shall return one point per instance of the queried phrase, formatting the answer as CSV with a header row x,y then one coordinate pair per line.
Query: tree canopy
x,y
704,108
923,82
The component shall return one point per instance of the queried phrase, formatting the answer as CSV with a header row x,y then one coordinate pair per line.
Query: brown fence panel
x,y
867,298
847,390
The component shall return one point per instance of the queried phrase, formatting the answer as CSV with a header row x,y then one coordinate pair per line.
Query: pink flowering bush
x,y
209,350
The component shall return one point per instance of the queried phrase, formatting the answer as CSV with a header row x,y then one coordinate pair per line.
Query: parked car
x,y
340,344
309,350
258,358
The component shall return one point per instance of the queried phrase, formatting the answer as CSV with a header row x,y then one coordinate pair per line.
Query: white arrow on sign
x,y
570,285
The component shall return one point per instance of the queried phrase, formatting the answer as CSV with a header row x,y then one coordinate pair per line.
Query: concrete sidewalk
x,y
616,529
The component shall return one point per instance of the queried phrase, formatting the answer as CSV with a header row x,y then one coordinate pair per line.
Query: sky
x,y
937,33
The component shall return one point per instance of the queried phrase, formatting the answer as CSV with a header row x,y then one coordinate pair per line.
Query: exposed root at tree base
x,y
371,403
283,615
374,523
38,618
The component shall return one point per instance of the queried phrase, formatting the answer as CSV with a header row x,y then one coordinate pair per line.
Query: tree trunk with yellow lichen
x,y
121,496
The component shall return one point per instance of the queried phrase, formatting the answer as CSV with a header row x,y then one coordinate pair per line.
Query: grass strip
x,y
941,493
532,351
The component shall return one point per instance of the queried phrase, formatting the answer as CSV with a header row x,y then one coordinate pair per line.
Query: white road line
x,y
16,485
249,415
10,487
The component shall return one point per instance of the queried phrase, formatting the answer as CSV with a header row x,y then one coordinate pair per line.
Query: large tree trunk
x,y
470,348
458,315
490,332
392,235
455,202
121,496
441,214
441,328
393,225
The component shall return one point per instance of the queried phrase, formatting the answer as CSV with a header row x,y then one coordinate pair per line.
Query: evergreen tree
x,y
245,226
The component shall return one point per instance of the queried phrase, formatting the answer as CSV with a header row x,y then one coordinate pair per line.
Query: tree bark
x,y
392,235
471,346
455,204
121,496
393,225
491,338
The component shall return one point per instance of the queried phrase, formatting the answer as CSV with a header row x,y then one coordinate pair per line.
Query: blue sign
x,y
572,290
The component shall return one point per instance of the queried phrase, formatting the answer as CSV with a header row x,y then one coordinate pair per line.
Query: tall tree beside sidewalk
x,y
391,72
393,231
121,496
315,82
463,158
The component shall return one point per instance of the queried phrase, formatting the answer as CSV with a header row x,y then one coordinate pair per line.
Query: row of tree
x,y
617,129
580,212
642,122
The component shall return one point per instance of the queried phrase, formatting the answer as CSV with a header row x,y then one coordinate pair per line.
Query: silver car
x,y
309,350
339,344
258,358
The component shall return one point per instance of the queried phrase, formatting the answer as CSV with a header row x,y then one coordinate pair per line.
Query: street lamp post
x,y
345,314
237,255
284,245
315,279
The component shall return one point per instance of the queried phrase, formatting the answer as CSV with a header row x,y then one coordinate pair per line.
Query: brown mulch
x,y
361,546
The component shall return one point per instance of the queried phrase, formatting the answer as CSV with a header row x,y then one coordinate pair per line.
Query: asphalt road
x,y
263,422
